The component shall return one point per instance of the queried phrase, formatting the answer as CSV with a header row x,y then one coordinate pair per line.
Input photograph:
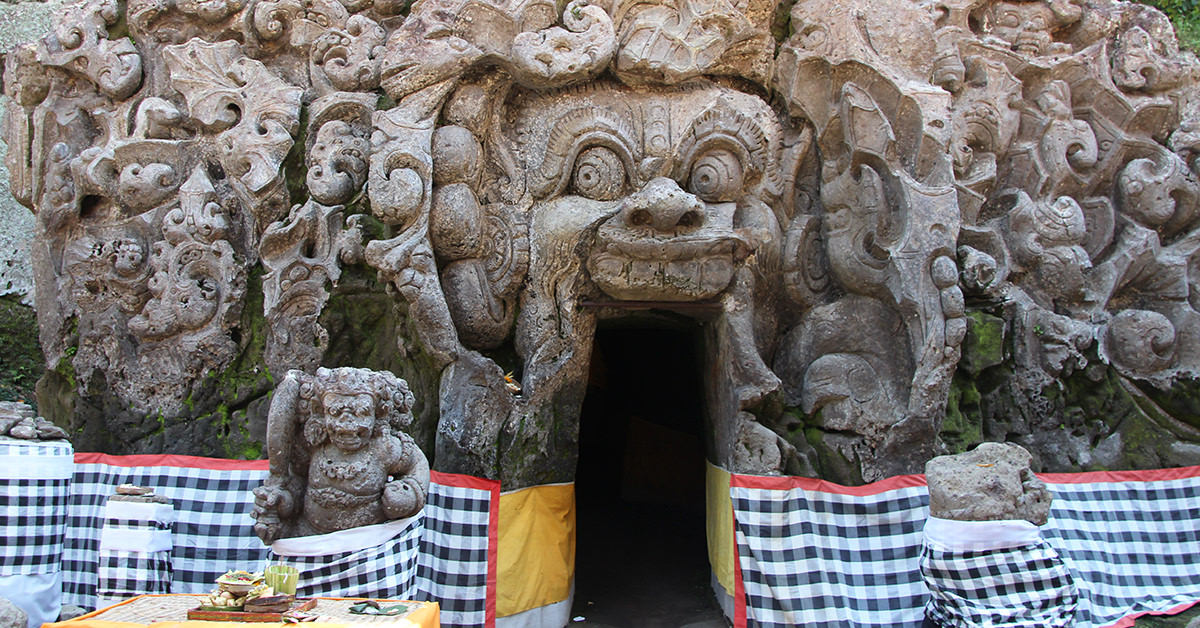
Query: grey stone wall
x,y
19,22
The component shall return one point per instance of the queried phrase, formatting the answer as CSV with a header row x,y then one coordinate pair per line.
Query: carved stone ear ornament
x,y
301,255
253,113
350,58
271,24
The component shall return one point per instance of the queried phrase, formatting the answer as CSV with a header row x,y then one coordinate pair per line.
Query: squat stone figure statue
x,y
339,459
984,559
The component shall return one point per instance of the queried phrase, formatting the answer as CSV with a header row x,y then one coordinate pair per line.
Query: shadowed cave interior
x,y
641,557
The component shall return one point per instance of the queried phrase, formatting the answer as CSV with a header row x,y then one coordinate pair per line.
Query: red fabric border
x,y
493,551
172,460
1150,475
789,482
464,481
1127,622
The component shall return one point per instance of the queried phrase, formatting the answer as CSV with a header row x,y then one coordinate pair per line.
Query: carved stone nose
x,y
663,206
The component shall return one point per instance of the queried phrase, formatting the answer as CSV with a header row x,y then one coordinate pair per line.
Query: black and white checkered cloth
x,y
1016,587
1132,545
135,549
813,557
34,493
454,536
388,570
458,549
817,554
213,529
124,573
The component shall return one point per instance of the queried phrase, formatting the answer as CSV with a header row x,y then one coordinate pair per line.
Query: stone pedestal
x,y
135,547
983,557
35,484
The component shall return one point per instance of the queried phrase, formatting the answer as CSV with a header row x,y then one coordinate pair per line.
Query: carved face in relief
x,y
1028,27
677,180
349,419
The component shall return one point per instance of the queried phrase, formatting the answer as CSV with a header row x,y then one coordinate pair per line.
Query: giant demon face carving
x,y
659,197
680,184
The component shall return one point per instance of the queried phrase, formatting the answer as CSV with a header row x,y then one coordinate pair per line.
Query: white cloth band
x,y
137,540
35,467
979,536
351,540
39,595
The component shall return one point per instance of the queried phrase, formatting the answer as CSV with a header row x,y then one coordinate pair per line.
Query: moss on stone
x,y
1181,400
781,26
984,345
23,362
963,426
295,167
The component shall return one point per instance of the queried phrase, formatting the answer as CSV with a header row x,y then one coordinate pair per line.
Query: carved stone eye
x,y
599,174
716,177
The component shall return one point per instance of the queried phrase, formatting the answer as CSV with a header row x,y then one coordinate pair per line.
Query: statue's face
x,y
673,179
349,419
1026,26
127,257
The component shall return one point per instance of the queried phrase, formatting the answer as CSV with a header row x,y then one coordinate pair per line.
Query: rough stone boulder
x,y
11,615
992,482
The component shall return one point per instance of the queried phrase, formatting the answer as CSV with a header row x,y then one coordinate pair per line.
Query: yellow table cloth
x,y
170,611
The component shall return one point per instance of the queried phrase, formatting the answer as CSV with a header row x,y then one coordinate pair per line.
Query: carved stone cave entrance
x,y
641,552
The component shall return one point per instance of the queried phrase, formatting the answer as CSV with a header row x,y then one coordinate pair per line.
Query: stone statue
x,y
339,459
902,226
983,556
992,482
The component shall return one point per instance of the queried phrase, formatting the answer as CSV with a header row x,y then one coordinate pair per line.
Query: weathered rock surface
x,y
902,227
12,616
992,482
17,420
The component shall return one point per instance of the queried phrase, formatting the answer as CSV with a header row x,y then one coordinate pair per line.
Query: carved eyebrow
x,y
579,129
724,127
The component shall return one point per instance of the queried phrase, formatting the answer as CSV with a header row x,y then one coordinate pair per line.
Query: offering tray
x,y
248,616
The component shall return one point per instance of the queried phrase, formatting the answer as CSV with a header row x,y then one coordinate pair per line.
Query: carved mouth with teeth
x,y
666,244
681,195
633,265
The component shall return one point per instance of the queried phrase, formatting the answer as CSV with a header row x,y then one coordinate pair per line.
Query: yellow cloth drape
x,y
536,548
719,523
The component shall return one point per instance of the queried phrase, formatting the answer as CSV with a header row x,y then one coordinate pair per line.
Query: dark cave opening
x,y
641,554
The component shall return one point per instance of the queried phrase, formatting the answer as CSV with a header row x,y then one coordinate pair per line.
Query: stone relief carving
x,y
841,195
301,254
339,457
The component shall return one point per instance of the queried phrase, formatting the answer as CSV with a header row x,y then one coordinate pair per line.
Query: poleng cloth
x,y
376,561
995,574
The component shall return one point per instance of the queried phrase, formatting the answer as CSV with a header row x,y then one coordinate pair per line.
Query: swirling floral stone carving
x,y
867,215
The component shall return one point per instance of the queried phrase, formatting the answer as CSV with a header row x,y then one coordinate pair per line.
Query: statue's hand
x,y
402,498
270,503
268,528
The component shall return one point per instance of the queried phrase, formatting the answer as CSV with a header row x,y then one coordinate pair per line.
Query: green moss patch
x,y
23,363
